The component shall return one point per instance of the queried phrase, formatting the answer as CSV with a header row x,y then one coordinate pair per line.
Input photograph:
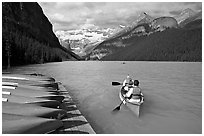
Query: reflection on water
x,y
173,94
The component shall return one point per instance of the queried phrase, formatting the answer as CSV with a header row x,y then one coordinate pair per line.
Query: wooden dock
x,y
42,100
75,122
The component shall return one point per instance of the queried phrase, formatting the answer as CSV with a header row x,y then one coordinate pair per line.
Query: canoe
x,y
27,77
29,90
32,110
33,93
31,100
4,99
133,104
13,85
17,124
24,80
25,88
7,93
16,83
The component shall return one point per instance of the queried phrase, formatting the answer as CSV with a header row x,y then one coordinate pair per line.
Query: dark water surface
x,y
173,94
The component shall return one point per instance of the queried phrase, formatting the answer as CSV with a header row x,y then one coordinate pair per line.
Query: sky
x,y
77,15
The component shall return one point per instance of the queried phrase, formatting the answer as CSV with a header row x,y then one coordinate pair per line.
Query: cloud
x,y
58,16
73,15
92,5
198,6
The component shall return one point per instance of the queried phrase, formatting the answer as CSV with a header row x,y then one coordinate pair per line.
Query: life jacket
x,y
136,91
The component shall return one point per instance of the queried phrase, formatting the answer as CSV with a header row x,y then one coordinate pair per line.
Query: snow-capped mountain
x,y
142,18
89,34
161,39
187,13
77,40
145,26
83,34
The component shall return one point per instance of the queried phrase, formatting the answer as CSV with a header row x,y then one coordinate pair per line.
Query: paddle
x,y
118,107
116,83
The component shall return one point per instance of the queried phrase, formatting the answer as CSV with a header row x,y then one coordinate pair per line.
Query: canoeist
x,y
136,91
131,88
127,80
130,95
127,83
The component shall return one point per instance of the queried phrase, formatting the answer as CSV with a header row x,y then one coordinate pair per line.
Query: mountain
x,y
79,40
84,40
187,16
196,16
144,18
181,44
146,26
184,15
27,36
161,39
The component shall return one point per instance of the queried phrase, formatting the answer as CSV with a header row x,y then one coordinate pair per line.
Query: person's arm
x,y
128,94
124,82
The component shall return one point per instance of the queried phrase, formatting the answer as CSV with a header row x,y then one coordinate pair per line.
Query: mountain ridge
x,y
142,34
186,13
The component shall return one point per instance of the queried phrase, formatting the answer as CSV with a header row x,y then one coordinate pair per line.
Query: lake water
x,y
172,90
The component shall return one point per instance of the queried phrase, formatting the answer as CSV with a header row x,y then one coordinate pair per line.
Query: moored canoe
x,y
16,83
30,100
17,124
32,110
35,94
27,77
9,85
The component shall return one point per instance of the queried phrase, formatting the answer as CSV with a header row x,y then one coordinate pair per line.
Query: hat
x,y
128,76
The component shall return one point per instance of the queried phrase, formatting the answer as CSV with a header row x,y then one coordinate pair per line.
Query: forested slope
x,y
27,36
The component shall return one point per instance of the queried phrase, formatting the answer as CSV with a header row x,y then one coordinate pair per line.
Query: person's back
x,y
132,89
136,90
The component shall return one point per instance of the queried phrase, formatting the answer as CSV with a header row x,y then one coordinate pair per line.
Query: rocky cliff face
x,y
144,18
144,26
162,23
184,15
28,34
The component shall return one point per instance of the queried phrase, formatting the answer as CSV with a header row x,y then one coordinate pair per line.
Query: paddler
x,y
136,90
127,87
132,89
126,82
